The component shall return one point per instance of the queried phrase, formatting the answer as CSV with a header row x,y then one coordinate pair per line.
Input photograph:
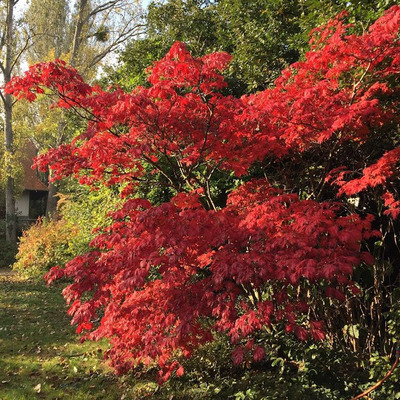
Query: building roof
x,y
31,180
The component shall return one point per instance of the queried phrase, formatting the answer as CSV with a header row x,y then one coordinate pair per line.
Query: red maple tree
x,y
163,278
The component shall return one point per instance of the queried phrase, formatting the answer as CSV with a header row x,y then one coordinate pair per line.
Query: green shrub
x,y
7,253
85,210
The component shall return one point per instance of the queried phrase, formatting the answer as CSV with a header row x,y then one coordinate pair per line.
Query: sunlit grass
x,y
40,355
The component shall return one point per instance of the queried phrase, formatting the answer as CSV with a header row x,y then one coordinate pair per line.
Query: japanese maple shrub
x,y
164,278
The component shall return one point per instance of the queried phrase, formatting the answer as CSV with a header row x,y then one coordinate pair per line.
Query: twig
x,y
365,393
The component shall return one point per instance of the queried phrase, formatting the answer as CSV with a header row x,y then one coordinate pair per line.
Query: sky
x,y
23,3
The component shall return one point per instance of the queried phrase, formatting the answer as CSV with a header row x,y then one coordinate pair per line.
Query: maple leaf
x,y
258,353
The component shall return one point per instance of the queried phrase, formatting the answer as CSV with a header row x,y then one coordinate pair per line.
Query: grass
x,y
41,358
40,355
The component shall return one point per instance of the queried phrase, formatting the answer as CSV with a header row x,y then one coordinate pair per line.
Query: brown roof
x,y
31,180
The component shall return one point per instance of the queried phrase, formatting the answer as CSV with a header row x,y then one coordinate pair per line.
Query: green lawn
x,y
41,358
40,355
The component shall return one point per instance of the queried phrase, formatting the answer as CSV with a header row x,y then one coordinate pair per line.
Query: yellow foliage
x,y
44,245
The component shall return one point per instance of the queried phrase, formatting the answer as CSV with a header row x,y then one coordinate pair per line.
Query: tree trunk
x,y
76,42
11,228
52,200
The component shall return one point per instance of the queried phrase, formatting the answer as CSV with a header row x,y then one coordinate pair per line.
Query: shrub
x,y
7,253
43,246
54,242
164,278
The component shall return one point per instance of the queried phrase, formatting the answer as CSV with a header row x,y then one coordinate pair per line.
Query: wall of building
x,y
22,204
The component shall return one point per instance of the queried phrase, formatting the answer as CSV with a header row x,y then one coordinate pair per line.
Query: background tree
x,y
263,36
11,49
193,22
83,36
48,22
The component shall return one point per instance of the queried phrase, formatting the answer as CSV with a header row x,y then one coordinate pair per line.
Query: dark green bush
x,y
7,253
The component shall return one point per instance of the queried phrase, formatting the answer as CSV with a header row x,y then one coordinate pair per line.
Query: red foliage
x,y
164,277
220,276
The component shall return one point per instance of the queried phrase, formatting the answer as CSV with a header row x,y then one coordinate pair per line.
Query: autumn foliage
x,y
163,279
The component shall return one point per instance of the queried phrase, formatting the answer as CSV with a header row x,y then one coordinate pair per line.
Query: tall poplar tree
x,y
47,21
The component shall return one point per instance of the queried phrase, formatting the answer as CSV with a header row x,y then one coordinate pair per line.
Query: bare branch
x,y
25,47
2,96
103,7
2,68
115,44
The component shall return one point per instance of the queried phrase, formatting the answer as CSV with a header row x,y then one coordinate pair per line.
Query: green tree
x,y
48,24
191,21
263,36
11,50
